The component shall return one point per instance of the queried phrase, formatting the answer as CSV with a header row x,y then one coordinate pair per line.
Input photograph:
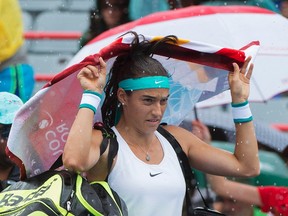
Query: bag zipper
x,y
68,203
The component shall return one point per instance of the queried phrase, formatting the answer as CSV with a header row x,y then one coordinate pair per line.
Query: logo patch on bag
x,y
14,198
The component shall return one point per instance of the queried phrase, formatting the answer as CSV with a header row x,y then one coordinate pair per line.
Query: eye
x,y
148,100
163,101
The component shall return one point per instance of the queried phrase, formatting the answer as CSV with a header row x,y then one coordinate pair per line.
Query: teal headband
x,y
145,83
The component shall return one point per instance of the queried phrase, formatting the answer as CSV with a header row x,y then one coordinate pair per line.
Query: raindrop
x,y
53,93
190,88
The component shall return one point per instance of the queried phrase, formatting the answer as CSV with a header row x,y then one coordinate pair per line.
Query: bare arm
x,y
246,146
221,185
82,149
244,161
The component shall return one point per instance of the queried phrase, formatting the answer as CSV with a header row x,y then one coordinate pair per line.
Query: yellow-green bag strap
x,y
79,181
106,186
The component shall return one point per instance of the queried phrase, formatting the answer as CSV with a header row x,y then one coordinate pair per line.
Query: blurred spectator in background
x,y
9,106
284,8
16,75
107,14
241,199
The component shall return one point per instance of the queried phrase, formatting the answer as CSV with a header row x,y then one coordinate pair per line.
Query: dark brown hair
x,y
138,62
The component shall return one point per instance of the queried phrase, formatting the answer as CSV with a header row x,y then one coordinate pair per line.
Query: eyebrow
x,y
149,96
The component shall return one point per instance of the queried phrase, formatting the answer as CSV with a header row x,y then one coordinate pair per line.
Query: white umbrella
x,y
227,26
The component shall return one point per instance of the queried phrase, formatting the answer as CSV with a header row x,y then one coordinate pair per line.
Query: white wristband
x,y
90,100
241,112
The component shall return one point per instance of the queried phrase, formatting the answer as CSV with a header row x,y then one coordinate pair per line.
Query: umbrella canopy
x,y
222,128
227,26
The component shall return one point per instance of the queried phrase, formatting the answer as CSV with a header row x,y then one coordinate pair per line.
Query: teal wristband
x,y
239,104
241,112
90,100
243,120
92,92
88,106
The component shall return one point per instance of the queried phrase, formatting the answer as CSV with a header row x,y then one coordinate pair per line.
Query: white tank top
x,y
148,189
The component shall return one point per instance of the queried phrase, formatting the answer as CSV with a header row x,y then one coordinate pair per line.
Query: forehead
x,y
157,92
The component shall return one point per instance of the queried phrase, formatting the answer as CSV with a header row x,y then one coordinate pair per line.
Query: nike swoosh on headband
x,y
158,82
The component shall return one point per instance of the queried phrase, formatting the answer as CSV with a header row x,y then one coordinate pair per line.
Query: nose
x,y
157,109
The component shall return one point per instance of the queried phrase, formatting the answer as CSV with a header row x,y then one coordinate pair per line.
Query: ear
x,y
122,96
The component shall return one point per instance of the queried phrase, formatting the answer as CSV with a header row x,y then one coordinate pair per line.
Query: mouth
x,y
154,121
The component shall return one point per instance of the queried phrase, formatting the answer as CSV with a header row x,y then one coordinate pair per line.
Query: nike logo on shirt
x,y
155,174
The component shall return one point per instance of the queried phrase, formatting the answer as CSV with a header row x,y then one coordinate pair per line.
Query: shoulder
x,y
176,131
105,141
184,137
101,135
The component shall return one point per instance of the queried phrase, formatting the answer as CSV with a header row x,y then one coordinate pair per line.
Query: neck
x,y
132,135
144,145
